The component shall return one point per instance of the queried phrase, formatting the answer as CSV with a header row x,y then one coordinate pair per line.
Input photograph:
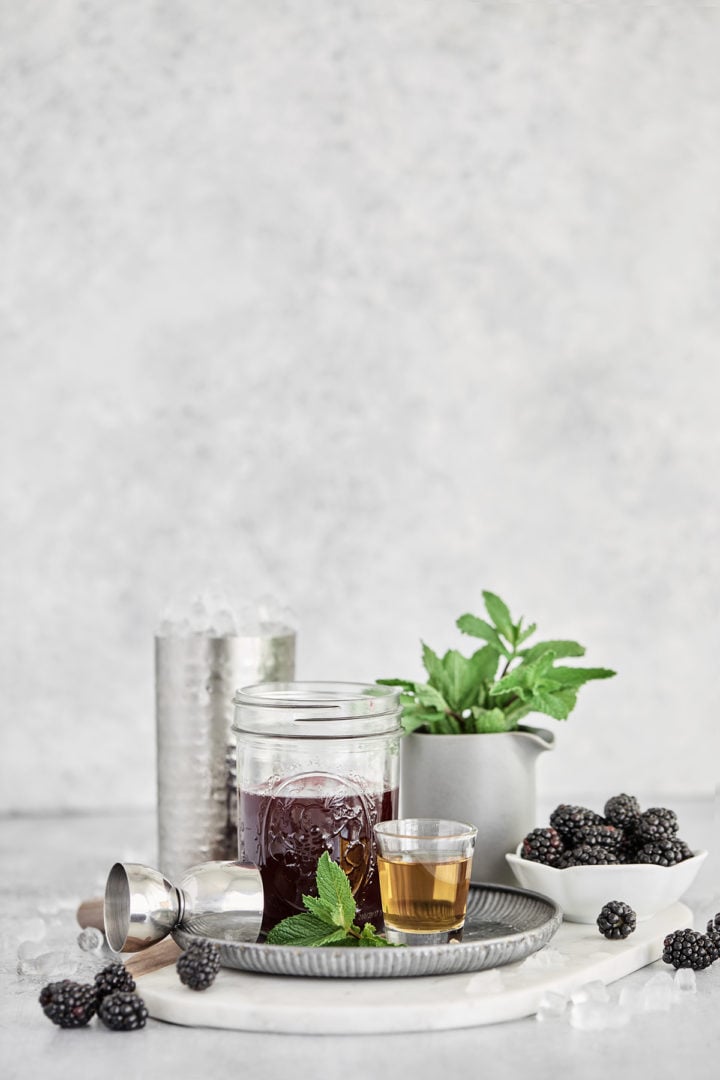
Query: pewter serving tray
x,y
503,924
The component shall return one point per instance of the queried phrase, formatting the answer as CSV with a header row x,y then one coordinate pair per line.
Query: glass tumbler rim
x,y
398,829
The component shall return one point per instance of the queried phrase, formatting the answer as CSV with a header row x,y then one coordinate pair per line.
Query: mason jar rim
x,y
317,709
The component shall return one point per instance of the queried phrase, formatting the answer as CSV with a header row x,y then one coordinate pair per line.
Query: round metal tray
x,y
503,925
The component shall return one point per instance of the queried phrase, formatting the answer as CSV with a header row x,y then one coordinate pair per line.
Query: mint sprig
x,y
330,918
500,684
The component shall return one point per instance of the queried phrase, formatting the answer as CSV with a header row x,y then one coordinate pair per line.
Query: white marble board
x,y
251,1002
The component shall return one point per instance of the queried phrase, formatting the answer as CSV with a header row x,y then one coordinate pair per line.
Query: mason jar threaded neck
x,y
317,709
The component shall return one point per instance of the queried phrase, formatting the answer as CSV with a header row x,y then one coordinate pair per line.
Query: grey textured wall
x,y
372,304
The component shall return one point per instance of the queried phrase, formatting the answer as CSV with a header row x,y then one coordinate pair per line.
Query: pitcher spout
x,y
537,739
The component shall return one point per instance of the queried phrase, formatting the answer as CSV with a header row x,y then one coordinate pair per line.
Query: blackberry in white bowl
x,y
629,853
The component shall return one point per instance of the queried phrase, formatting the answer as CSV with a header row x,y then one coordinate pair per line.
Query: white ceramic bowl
x,y
581,891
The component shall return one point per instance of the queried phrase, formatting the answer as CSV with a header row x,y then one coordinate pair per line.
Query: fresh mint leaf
x,y
405,683
304,930
466,694
433,666
325,912
330,915
550,703
484,664
459,681
333,886
523,679
559,648
487,721
367,938
476,627
447,724
370,939
429,697
414,718
499,612
578,676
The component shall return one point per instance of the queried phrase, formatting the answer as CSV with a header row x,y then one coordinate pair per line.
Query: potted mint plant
x,y
479,765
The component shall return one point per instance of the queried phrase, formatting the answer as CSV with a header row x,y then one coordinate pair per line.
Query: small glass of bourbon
x,y
424,870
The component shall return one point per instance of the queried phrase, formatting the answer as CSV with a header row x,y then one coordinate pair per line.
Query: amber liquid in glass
x,y
424,897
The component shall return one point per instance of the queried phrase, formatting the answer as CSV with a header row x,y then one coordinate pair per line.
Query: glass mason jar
x,y
317,768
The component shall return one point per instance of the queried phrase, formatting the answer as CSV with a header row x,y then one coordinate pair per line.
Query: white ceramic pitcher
x,y
487,780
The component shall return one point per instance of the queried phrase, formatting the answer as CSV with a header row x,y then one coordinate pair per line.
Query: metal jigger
x,y
222,900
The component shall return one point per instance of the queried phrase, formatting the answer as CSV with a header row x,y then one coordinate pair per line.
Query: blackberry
x,y
622,811
629,846
616,920
664,852
657,823
123,1011
689,949
113,977
69,1004
713,931
543,846
605,836
586,855
198,965
571,820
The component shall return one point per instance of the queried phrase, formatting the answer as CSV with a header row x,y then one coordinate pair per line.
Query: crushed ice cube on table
x,y
685,981
551,1005
657,993
597,1016
90,939
591,991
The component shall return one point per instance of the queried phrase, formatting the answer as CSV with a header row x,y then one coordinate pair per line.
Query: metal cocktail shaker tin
x,y
196,676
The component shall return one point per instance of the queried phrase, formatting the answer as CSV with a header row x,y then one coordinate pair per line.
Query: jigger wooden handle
x,y
90,913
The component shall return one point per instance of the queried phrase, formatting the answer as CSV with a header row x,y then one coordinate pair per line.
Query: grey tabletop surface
x,y
49,864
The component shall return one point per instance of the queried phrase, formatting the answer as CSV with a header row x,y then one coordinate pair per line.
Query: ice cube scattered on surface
x,y
544,959
657,993
90,939
597,1016
28,950
591,991
551,1005
685,981
660,978
55,965
485,982
52,966
27,966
